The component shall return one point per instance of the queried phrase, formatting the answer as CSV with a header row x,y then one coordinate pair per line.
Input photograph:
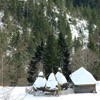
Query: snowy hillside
x,y
78,26
79,29
31,42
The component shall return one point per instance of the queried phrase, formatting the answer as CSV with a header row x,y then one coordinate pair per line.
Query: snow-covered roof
x,y
82,77
40,81
51,82
61,78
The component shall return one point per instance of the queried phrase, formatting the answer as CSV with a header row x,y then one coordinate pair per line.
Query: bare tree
x,y
84,58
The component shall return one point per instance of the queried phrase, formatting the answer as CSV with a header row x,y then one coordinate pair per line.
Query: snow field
x,y
18,93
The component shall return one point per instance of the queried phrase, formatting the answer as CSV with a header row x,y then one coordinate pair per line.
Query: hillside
x,y
45,35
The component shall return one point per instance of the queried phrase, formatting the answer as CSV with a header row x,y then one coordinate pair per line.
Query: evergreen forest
x,y
37,35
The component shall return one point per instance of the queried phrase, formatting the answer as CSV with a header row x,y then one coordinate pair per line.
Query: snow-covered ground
x,y
19,93
79,29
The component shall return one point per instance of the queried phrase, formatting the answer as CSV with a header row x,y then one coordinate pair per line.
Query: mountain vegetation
x,y
37,35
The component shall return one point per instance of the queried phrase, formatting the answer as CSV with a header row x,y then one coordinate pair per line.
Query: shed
x,y
83,81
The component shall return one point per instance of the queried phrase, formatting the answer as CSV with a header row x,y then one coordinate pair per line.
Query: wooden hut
x,y
83,81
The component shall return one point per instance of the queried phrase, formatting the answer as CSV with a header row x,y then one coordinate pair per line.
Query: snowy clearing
x,y
19,93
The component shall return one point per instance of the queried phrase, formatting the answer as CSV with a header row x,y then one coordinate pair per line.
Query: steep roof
x,y
51,82
61,78
82,77
40,81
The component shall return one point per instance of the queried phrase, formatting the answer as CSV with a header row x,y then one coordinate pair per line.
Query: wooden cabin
x,y
83,81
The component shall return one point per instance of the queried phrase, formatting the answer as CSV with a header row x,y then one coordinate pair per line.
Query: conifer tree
x,y
50,58
69,36
66,62
40,27
61,46
60,4
68,3
64,55
32,69
62,26
91,44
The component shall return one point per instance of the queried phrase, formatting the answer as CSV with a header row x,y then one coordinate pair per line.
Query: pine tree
x,y
62,26
50,55
60,4
41,27
91,44
66,62
61,46
64,55
68,3
69,36
32,69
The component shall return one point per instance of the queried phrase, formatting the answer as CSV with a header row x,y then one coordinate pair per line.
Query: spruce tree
x,y
41,27
91,44
32,69
50,58
62,26
61,46
69,36
66,62
64,55
60,4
